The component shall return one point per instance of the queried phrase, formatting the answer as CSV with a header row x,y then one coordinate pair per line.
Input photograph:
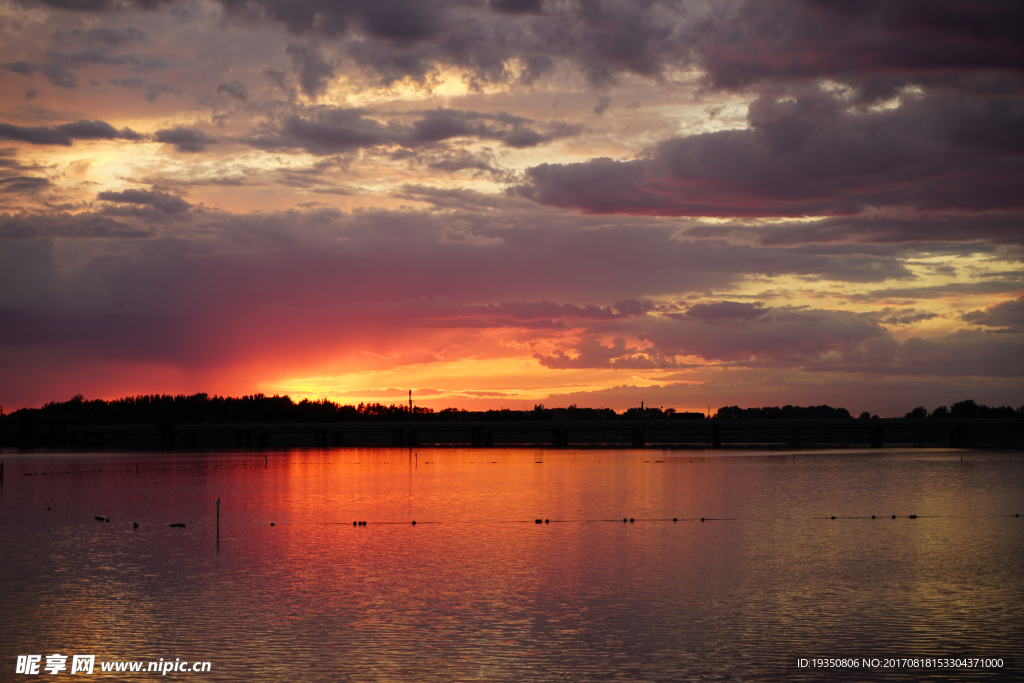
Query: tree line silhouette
x,y
167,410
966,408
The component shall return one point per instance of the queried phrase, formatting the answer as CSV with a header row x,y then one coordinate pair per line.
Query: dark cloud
x,y
876,47
35,229
454,160
788,337
513,131
726,311
991,284
55,71
516,6
455,198
395,20
152,90
168,203
235,89
65,134
857,42
104,35
330,129
23,184
315,73
1006,316
184,139
101,54
23,68
905,317
96,5
14,176
812,156
547,309
591,353
950,228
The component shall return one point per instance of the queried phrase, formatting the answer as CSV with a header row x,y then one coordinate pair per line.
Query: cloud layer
x,y
514,200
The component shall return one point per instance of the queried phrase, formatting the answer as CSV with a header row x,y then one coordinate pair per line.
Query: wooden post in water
x,y
218,522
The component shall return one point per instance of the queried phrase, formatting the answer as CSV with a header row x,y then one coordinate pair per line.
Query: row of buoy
x,y
135,525
364,523
894,517
625,520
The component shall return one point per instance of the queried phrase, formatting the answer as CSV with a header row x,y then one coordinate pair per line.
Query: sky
x,y
498,203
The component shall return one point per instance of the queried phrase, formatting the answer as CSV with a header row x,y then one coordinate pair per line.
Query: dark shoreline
x,y
680,434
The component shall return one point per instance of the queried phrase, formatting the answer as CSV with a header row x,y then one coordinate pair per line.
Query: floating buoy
x,y
872,516
47,508
630,520
355,523
702,519
414,522
547,521
135,525
179,524
894,516
833,516
675,519
913,516
99,519
271,524
624,520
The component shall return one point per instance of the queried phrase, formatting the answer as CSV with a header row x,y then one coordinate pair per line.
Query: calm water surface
x,y
477,591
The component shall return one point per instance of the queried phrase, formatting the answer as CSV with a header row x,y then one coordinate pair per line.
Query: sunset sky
x,y
508,202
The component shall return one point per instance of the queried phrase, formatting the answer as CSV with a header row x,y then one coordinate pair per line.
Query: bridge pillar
x,y
263,438
410,438
716,437
338,438
796,437
559,437
638,437
876,436
476,437
486,438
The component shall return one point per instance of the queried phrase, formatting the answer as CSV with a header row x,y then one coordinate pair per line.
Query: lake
x,y
478,590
